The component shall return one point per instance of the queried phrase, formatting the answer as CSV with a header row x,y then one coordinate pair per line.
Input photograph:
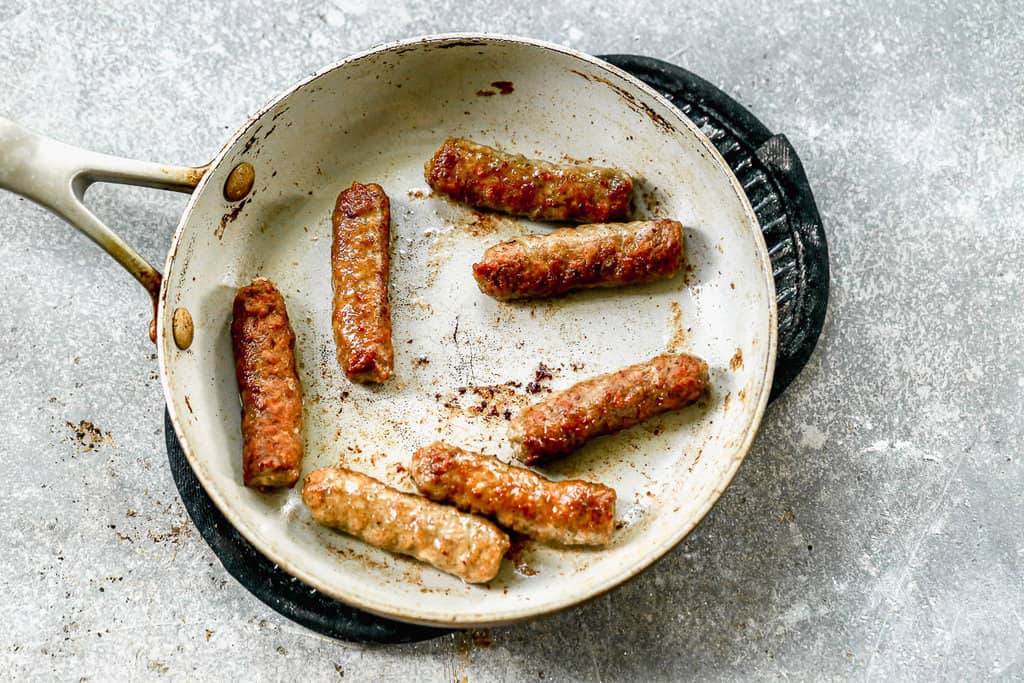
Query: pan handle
x,y
56,176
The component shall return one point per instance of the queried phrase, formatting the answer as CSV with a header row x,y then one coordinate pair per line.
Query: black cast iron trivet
x,y
774,180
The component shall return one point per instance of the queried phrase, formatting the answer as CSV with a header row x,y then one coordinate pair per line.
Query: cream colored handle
x,y
56,176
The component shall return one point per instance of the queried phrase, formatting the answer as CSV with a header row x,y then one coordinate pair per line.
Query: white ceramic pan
x,y
377,117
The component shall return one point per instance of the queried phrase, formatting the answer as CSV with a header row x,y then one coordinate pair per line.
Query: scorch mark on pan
x,y
633,103
677,339
230,216
503,88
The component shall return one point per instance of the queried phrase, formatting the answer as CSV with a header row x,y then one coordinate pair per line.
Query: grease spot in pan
x,y
736,362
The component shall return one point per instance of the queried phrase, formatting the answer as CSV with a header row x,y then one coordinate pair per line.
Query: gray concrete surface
x,y
874,531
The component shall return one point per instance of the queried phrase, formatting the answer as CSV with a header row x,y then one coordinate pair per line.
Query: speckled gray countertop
x,y
875,530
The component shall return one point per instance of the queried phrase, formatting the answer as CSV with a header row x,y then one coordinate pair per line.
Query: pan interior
x,y
464,362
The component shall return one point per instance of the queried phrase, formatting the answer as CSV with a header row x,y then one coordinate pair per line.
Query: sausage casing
x,y
455,542
264,348
511,183
572,512
597,255
606,404
359,278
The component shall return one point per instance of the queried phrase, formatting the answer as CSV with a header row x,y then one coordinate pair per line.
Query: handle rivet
x,y
183,328
239,182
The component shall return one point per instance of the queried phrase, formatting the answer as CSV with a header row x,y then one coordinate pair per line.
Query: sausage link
x,y
511,183
570,512
606,404
597,255
455,542
264,348
359,277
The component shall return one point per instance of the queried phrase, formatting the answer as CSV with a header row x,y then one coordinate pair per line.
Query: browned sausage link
x,y
606,404
484,177
462,544
264,345
359,276
598,255
571,512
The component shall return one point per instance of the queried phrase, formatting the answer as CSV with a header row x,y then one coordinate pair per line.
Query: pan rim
x,y
417,614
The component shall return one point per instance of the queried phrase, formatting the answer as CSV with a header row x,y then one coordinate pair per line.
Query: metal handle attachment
x,y
56,176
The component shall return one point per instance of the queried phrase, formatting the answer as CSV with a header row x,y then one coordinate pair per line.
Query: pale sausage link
x,y
572,512
455,542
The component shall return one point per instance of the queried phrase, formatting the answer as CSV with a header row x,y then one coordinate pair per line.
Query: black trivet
x,y
774,180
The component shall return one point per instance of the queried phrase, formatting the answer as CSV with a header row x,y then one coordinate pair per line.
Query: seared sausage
x,y
484,177
598,255
606,404
359,277
455,542
264,343
571,512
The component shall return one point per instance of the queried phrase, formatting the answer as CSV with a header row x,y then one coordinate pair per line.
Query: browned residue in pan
x,y
252,140
503,88
398,476
736,362
540,375
677,342
462,43
230,216
517,553
496,401
633,103
484,224
695,460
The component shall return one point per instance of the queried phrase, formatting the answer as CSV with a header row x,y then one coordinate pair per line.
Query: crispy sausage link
x,y
570,512
263,344
598,255
606,404
484,177
455,542
359,277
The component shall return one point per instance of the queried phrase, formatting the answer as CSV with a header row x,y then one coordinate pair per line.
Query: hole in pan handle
x,y
56,175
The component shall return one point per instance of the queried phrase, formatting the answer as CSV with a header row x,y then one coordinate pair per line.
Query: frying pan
x,y
464,362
